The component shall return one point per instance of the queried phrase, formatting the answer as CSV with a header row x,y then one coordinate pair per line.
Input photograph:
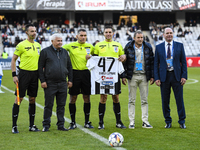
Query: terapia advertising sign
x,y
99,5
184,4
50,5
148,5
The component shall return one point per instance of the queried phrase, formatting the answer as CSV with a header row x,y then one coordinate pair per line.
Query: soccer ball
x,y
116,139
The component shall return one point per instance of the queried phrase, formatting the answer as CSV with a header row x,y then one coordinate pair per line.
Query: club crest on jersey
x,y
116,49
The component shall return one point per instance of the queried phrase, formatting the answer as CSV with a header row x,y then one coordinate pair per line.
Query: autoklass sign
x,y
99,5
148,5
184,4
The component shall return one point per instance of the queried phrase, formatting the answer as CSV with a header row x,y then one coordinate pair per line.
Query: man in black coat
x,y
54,66
138,70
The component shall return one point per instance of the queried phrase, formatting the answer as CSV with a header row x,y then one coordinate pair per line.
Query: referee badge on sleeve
x,y
116,49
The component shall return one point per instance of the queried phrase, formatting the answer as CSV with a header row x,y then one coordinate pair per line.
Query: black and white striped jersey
x,y
104,74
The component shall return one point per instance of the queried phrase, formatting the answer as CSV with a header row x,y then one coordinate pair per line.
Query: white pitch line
x,y
96,136
187,82
193,81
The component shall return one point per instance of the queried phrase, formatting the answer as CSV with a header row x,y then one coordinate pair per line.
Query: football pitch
x,y
139,138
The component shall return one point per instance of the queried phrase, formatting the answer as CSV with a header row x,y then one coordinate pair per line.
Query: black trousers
x,y
58,90
166,86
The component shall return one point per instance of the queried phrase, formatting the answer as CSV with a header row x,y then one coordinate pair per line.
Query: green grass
x,y
157,138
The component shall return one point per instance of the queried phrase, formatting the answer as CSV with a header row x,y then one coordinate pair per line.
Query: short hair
x,y
81,30
167,28
29,25
108,27
54,36
137,32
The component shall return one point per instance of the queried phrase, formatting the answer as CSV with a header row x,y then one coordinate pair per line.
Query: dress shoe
x,y
45,129
62,129
168,125
183,126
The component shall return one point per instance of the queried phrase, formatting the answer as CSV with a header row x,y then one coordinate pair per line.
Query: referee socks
x,y
102,108
31,111
15,112
72,111
86,109
116,109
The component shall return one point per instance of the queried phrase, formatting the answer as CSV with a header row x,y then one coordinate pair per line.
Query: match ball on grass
x,y
116,139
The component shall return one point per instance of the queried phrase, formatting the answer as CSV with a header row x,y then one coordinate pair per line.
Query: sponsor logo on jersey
x,y
102,46
73,47
103,77
107,87
27,48
107,73
107,82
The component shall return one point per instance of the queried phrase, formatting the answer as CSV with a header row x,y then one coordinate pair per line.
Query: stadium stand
x,y
189,40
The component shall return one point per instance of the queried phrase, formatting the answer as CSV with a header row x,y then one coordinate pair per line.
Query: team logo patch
x,y
116,49
88,51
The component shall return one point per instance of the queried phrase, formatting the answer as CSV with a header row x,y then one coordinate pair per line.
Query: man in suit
x,y
170,70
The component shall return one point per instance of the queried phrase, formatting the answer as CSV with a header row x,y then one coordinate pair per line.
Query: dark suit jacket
x,y
54,68
179,62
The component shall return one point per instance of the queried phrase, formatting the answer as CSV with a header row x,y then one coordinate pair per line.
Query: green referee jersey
x,y
78,54
108,49
29,55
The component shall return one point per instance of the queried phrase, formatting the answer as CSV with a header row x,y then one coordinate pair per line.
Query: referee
x,y
81,76
110,48
28,51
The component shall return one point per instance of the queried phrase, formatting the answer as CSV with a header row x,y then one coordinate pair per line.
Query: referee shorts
x,y
81,83
28,80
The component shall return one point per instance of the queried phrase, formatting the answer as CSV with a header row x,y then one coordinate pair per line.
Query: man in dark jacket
x,y
54,66
138,70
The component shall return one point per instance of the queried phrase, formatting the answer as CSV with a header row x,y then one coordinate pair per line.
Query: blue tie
x,y
168,51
